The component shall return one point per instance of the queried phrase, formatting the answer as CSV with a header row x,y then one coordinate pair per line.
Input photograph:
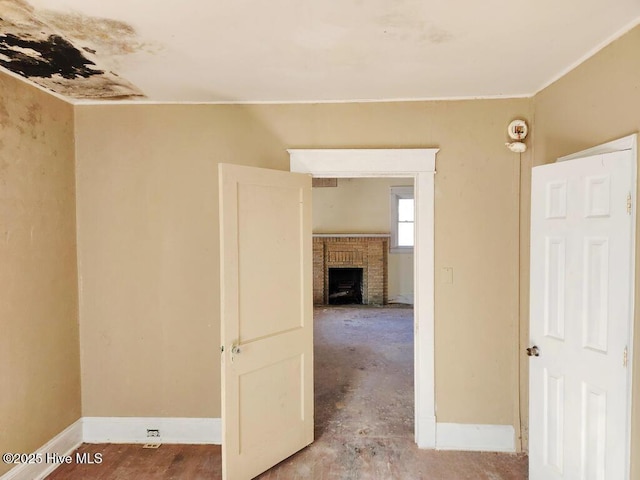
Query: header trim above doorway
x,y
354,163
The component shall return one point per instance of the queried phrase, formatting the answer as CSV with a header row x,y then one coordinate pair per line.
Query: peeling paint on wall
x,y
66,53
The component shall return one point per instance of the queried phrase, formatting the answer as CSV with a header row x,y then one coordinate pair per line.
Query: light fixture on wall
x,y
517,131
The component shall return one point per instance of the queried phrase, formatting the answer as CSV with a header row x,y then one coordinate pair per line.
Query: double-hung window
x,y
402,220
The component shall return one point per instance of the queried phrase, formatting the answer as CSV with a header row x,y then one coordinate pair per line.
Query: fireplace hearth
x,y
345,286
359,260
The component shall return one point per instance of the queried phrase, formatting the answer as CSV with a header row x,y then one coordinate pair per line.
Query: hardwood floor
x,y
364,419
133,462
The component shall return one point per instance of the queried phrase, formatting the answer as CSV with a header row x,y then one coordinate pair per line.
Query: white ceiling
x,y
323,50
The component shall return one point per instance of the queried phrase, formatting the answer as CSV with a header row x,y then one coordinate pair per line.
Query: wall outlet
x,y
153,432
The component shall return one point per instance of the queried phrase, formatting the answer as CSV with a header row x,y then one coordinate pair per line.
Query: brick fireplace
x,y
354,251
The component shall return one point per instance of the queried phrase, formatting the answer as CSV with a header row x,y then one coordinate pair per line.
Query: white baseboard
x,y
485,438
403,298
426,432
448,436
134,430
62,444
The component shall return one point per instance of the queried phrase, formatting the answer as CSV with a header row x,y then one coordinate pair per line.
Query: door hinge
x,y
625,357
629,204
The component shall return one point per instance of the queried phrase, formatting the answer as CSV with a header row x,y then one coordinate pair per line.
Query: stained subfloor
x,y
364,418
364,408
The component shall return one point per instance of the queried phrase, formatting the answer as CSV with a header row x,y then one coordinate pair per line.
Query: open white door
x,y
581,302
267,315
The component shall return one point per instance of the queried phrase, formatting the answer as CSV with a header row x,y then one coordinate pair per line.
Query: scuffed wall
x,y
39,338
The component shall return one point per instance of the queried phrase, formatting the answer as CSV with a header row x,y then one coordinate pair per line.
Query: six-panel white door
x,y
581,277
267,318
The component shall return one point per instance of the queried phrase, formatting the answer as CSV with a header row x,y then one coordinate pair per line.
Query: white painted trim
x,y
358,163
134,430
483,438
419,164
62,444
404,299
425,430
625,143
424,308
450,98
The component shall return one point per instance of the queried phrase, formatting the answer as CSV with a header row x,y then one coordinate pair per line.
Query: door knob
x,y
235,350
533,351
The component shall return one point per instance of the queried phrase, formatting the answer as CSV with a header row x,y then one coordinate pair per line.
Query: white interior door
x,y
581,278
267,315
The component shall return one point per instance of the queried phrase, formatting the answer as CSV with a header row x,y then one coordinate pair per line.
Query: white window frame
x,y
395,194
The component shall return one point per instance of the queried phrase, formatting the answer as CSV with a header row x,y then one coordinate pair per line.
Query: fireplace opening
x,y
345,286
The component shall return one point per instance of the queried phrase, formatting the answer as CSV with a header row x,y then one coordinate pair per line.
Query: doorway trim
x,y
419,164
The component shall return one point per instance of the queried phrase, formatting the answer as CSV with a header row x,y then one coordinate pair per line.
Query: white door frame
x,y
419,164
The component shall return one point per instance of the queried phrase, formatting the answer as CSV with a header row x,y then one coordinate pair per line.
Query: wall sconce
x,y
517,131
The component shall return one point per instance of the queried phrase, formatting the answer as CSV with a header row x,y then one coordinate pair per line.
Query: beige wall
x,y
361,205
597,102
148,243
148,252
39,350
356,205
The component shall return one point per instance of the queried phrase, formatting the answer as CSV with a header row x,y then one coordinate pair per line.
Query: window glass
x,y
402,219
405,209
405,234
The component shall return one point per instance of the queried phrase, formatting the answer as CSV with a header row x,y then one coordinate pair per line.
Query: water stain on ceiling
x,y
66,53
44,58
